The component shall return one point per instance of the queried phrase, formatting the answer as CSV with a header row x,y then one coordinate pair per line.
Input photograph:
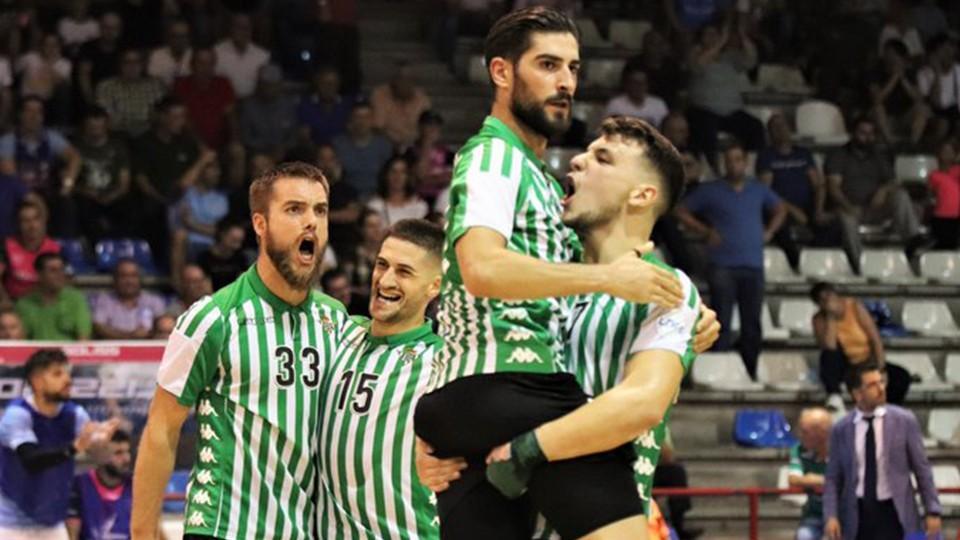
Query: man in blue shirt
x,y
362,151
730,214
40,436
100,499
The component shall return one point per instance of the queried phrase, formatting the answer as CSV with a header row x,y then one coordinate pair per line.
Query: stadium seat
x,y
75,256
177,484
796,316
771,332
590,35
604,72
929,318
943,426
144,256
477,70
827,265
776,267
919,366
952,370
629,34
783,482
947,476
762,429
941,267
822,121
782,79
887,266
558,160
786,371
914,168
106,253
590,113
761,112
723,371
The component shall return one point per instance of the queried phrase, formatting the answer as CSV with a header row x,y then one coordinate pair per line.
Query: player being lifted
x,y
369,487
250,359
632,356
504,305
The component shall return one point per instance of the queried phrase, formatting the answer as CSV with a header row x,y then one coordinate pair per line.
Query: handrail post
x,y
754,515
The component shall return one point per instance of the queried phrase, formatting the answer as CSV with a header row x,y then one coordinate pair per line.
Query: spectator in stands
x,y
126,312
431,157
860,183
336,283
359,263
98,59
12,192
77,27
104,181
173,59
6,92
945,185
268,117
928,19
665,72
793,174
898,105
197,213
163,326
873,451
224,261
939,83
670,473
160,158
900,28
734,210
716,89
45,71
209,99
19,252
397,106
808,465
129,97
848,337
689,16
239,59
35,153
41,435
192,284
101,498
677,130
362,151
396,197
11,327
54,311
636,99
323,114
344,202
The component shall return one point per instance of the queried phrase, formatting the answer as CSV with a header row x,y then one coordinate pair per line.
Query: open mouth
x,y
569,189
388,298
307,249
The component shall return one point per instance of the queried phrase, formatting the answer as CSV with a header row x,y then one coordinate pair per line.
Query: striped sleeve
x,y
192,355
671,329
796,464
485,187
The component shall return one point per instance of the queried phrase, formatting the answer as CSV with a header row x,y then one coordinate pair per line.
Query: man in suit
x,y
873,450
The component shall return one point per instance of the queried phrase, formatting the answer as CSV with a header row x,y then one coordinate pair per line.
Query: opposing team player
x,y
250,359
369,487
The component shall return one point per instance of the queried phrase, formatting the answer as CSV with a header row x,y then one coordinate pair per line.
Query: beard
x,y
57,397
281,261
586,222
534,115
116,472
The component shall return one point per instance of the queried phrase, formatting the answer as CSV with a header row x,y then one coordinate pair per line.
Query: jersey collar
x,y
275,301
497,128
410,336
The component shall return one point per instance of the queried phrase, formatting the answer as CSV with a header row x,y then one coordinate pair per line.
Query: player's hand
x,y
641,282
708,330
934,525
510,466
713,238
500,453
434,473
833,529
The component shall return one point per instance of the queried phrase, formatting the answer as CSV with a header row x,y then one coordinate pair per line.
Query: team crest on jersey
x,y
409,354
327,324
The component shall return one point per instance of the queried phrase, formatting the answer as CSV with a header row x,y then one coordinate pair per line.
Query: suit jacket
x,y
903,445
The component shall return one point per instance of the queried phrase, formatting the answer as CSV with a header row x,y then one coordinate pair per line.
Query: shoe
x,y
689,534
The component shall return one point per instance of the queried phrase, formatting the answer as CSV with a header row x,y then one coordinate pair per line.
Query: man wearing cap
x,y
268,117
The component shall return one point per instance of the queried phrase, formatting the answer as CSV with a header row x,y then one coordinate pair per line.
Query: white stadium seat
x,y
604,72
776,267
914,168
590,35
953,369
941,266
761,112
947,476
629,34
887,266
783,482
590,113
827,265
558,160
920,366
944,426
786,371
822,121
771,332
781,78
929,318
796,316
723,371
477,70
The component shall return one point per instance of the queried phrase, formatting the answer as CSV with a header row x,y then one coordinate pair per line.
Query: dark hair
x,y
897,46
383,182
41,261
95,112
628,71
121,436
27,99
819,288
779,114
510,36
938,41
419,232
862,119
429,117
31,203
41,360
856,372
666,160
331,275
262,187
165,104
734,144
124,260
224,225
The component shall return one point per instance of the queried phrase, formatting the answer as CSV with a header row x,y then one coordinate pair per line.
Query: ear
x,y
260,224
643,197
433,290
501,72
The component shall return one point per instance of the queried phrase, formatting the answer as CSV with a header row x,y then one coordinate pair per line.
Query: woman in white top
x,y
44,70
396,197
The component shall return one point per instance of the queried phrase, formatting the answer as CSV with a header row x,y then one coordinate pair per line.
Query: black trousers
x,y
878,521
833,369
946,232
674,475
743,287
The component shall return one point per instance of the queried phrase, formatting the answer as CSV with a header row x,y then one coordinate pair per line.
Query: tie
x,y
870,469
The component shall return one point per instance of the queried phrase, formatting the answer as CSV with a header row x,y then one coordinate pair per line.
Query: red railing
x,y
753,494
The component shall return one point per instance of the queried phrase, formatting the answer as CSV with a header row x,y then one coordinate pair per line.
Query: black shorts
x,y
470,416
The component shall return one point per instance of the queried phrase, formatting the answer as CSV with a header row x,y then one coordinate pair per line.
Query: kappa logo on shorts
x,y
202,496
515,314
196,520
205,477
648,440
206,455
205,408
524,356
207,433
643,466
519,334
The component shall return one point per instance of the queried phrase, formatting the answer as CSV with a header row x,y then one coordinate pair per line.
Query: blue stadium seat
x,y
106,253
110,251
177,484
75,256
762,429
144,256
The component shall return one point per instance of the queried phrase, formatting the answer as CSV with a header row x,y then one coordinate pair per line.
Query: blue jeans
x,y
810,529
741,286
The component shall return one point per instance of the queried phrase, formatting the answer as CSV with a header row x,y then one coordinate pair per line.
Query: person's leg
x,y
746,128
485,513
898,383
703,133
784,239
722,298
920,116
832,368
750,301
632,527
850,239
674,475
900,208
810,529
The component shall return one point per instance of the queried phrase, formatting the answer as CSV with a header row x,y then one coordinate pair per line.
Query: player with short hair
x,y
100,498
250,359
369,487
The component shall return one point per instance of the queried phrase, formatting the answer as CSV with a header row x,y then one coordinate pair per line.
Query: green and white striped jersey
x,y
605,333
253,365
499,183
369,487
